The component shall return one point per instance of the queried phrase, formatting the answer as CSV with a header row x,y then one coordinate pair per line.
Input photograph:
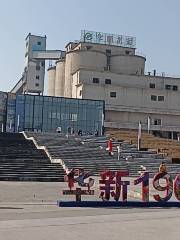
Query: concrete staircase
x,y
20,160
149,159
89,152
168,147
77,152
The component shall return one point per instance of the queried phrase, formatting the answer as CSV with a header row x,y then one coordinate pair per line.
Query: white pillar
x,y
10,125
18,123
149,124
139,135
2,127
102,124
172,135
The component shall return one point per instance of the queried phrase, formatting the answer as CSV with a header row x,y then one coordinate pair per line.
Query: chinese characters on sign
x,y
111,185
109,39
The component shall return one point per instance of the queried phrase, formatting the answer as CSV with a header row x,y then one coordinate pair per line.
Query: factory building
x,y
107,67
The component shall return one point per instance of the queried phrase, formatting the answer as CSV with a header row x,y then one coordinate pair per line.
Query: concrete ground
x,y
28,211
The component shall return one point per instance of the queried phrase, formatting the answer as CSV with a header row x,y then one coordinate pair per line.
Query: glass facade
x,y
11,110
3,104
44,113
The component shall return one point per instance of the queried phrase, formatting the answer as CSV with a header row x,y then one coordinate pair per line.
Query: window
x,y
108,51
113,94
168,87
39,43
107,81
95,80
80,93
88,47
37,77
127,52
153,98
42,64
160,98
108,60
152,85
37,84
175,88
157,122
38,68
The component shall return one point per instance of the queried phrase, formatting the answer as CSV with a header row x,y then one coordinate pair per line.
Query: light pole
x,y
149,124
139,135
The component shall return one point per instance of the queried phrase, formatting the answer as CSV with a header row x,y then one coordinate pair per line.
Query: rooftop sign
x,y
108,39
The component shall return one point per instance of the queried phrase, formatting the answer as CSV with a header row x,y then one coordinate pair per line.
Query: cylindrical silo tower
x,y
51,81
127,64
60,78
82,59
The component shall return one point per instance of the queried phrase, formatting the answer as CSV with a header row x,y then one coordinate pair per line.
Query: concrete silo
x,y
51,81
60,78
82,59
127,64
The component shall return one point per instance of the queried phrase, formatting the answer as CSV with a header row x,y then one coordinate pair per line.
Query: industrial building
x,y
106,67
32,80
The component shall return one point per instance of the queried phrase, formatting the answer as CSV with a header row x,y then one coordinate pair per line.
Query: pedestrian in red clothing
x,y
109,146
70,177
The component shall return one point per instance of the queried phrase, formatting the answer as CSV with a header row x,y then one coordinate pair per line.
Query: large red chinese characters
x,y
111,184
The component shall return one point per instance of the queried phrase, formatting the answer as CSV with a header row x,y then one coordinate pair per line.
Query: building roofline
x,y
51,68
21,79
137,75
29,34
107,45
84,99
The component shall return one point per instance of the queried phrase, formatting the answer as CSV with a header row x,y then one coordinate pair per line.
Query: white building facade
x,y
116,74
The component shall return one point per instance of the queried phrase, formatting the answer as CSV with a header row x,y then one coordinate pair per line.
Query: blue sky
x,y
154,23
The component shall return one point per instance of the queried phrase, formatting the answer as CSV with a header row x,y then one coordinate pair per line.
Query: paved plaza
x,y
28,211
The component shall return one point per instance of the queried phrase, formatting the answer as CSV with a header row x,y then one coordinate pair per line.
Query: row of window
x,y
171,87
153,97
151,85
157,122
96,80
157,98
38,43
167,87
38,67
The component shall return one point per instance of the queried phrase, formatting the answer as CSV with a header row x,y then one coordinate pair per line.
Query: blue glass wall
x,y
11,111
43,113
3,103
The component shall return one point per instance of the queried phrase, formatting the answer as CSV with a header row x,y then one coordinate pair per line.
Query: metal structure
x,y
32,80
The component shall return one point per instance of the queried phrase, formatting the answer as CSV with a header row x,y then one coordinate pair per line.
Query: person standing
x,y
162,168
70,175
119,151
58,130
109,147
